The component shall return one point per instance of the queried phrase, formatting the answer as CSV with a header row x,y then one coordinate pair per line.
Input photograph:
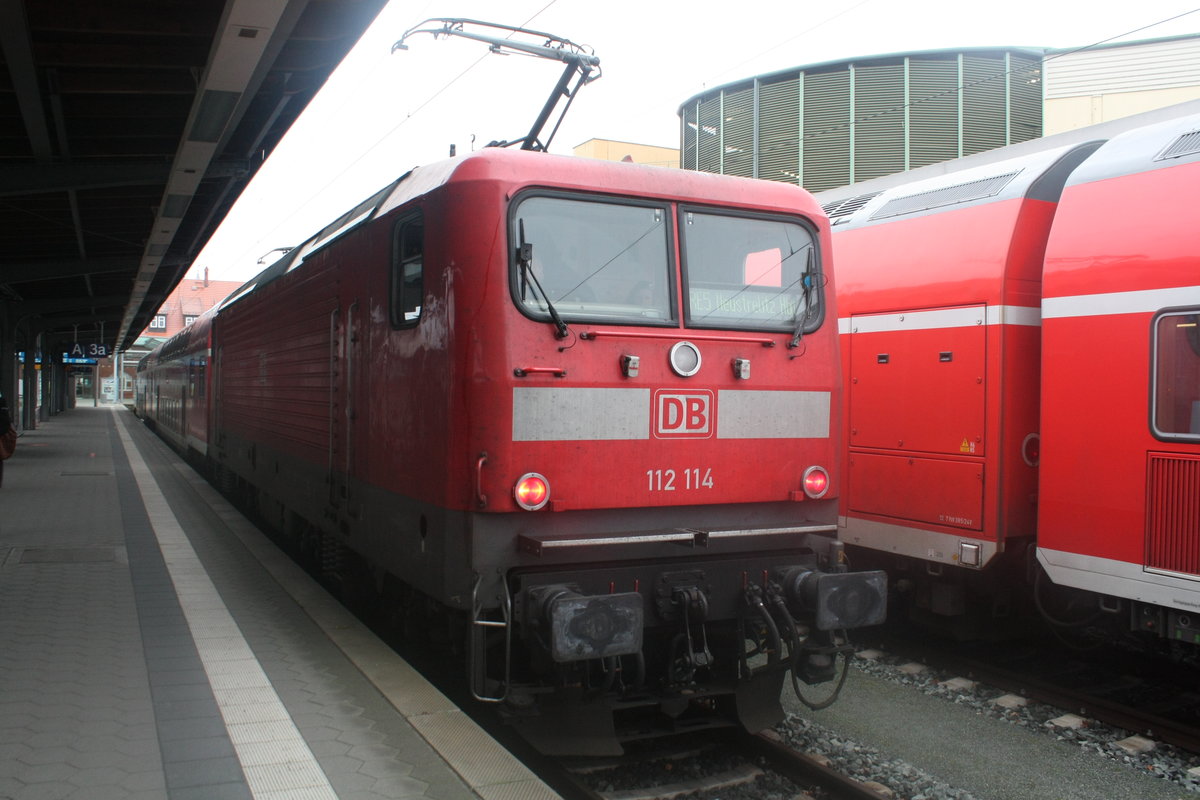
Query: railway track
x,y
1137,692
729,765
1123,700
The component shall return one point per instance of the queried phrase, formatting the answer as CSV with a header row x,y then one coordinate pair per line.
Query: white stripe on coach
x,y
1143,301
1136,302
930,319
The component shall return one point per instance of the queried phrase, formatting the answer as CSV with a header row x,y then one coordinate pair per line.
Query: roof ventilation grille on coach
x,y
946,196
1186,145
843,208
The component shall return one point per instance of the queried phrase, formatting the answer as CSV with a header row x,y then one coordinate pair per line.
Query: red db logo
x,y
683,414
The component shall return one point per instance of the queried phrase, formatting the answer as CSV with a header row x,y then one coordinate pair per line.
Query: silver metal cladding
x,y
562,414
580,414
772,415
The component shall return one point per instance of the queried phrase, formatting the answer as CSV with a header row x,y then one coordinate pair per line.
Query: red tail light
x,y
532,491
816,482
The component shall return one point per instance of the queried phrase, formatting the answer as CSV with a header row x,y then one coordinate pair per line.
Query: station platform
x,y
154,644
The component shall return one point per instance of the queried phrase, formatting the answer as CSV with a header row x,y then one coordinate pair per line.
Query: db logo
x,y
683,414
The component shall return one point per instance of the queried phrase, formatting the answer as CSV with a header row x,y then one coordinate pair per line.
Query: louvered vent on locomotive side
x,y
1173,513
1186,145
947,196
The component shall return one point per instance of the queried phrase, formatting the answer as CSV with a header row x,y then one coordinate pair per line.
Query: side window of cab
x,y
407,280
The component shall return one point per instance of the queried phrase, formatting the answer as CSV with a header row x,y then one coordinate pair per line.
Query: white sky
x,y
381,113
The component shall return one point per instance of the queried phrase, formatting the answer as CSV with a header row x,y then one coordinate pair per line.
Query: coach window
x,y
408,285
750,273
1176,379
598,261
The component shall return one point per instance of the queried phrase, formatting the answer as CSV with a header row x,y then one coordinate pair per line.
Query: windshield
x,y
749,273
594,260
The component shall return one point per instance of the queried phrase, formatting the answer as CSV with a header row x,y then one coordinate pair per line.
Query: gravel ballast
x,y
929,738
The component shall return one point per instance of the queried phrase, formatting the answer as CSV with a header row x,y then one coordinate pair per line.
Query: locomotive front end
x,y
656,544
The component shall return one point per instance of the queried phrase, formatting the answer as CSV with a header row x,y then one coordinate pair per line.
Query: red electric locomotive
x,y
586,412
1022,368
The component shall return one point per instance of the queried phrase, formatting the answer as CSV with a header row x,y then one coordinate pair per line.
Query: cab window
x,y
593,260
749,273
407,281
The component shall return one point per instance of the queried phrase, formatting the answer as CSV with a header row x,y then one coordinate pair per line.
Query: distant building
x,y
609,150
839,122
835,123
191,298
1107,82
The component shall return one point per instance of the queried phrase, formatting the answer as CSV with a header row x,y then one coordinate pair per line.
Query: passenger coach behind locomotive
x,y
587,411
1022,367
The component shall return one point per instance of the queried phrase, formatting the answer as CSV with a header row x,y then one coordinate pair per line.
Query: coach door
x,y
916,412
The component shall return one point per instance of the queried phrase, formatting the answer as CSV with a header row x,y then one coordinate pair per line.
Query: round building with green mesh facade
x,y
836,123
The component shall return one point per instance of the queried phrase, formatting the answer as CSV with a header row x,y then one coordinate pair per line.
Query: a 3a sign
x,y
88,350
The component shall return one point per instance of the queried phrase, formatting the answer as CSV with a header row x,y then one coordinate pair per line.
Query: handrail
x,y
557,372
477,645
676,335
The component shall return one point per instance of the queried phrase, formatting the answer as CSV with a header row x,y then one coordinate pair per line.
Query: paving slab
x,y
154,644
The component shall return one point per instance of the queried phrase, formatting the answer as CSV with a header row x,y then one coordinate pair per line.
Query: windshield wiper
x,y
525,260
807,292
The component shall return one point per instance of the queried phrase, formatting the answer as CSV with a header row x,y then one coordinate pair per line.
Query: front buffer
x,y
636,650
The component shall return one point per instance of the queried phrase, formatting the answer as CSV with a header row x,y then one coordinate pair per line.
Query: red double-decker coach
x,y
1022,370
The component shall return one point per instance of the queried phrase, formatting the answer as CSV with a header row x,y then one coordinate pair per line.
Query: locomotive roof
x,y
525,168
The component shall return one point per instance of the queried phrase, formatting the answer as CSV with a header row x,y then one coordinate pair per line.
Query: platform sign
x,y
66,360
87,350
37,360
